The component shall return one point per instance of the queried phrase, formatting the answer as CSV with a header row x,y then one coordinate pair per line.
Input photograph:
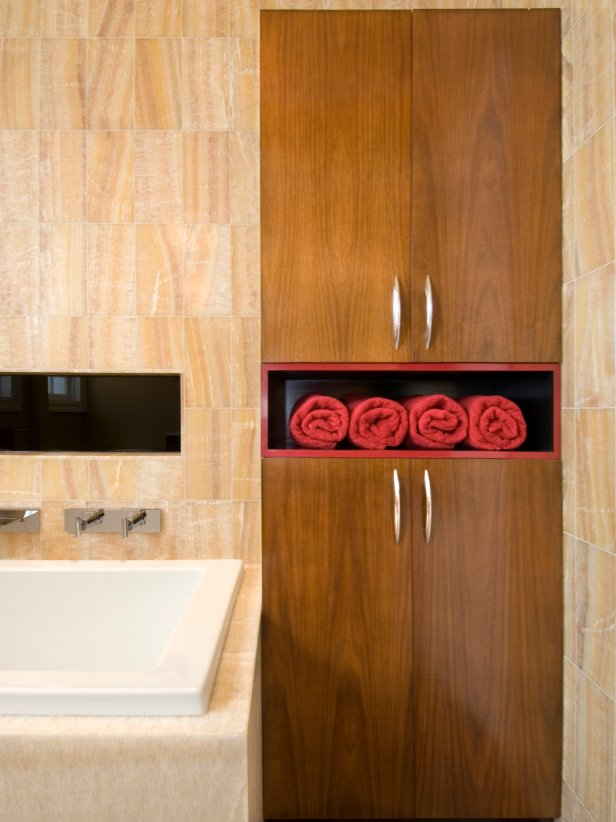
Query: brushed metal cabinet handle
x,y
397,514
429,311
428,513
396,312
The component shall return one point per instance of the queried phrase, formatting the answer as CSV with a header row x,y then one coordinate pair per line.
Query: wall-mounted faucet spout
x,y
86,519
134,518
20,519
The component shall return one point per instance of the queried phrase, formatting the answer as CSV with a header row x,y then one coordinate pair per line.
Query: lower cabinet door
x,y
487,639
337,650
418,678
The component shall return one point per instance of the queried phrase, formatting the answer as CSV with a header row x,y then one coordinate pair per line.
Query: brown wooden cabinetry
x,y
411,671
406,145
412,678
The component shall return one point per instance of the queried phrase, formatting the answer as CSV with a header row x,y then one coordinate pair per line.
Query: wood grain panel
x,y
488,640
487,184
335,183
337,678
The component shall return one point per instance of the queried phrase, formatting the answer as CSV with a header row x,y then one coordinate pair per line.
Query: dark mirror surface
x,y
90,412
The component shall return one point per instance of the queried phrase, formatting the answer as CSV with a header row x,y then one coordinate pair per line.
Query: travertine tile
x,y
19,82
62,176
245,358
594,439
19,19
592,79
594,193
64,343
66,18
21,478
63,67
160,479
207,446
594,371
160,344
244,19
595,605
111,269
245,270
64,478
567,373
113,343
113,479
205,83
160,250
110,166
244,177
19,268
157,84
243,62
19,153
594,748
209,529
158,176
20,344
207,270
160,19
206,177
62,269
208,371
247,531
111,18
209,19
569,680
246,454
110,84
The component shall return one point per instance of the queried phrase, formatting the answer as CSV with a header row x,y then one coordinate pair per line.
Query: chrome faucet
x,y
132,519
87,518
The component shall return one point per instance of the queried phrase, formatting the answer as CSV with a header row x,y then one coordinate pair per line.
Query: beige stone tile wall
x,y
129,241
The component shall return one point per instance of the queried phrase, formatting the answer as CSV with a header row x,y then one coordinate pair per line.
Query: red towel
x,y
318,421
435,421
494,423
376,422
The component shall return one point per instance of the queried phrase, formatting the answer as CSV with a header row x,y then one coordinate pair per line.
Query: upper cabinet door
x,y
486,224
335,183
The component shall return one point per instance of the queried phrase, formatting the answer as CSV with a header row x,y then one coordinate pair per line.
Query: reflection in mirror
x,y
90,412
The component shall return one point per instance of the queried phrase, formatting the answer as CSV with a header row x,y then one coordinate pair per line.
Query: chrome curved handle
x,y
396,506
396,312
429,311
428,496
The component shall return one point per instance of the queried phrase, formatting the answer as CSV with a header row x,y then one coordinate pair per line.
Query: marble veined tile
x,y
243,84
207,447
158,176
19,268
206,177
594,460
110,83
208,374
592,78
594,339
160,19
66,18
63,70
19,82
111,18
157,83
207,269
209,529
110,167
246,454
21,19
110,259
160,250
205,83
209,19
62,176
595,607
19,155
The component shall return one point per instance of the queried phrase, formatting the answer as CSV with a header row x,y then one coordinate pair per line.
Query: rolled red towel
x,y
376,422
318,421
435,421
494,423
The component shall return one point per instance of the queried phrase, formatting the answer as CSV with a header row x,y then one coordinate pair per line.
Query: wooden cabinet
x,y
411,679
406,145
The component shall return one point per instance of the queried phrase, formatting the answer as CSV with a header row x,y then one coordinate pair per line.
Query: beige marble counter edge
x,y
229,706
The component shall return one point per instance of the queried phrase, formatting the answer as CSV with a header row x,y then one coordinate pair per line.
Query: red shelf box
x,y
534,387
